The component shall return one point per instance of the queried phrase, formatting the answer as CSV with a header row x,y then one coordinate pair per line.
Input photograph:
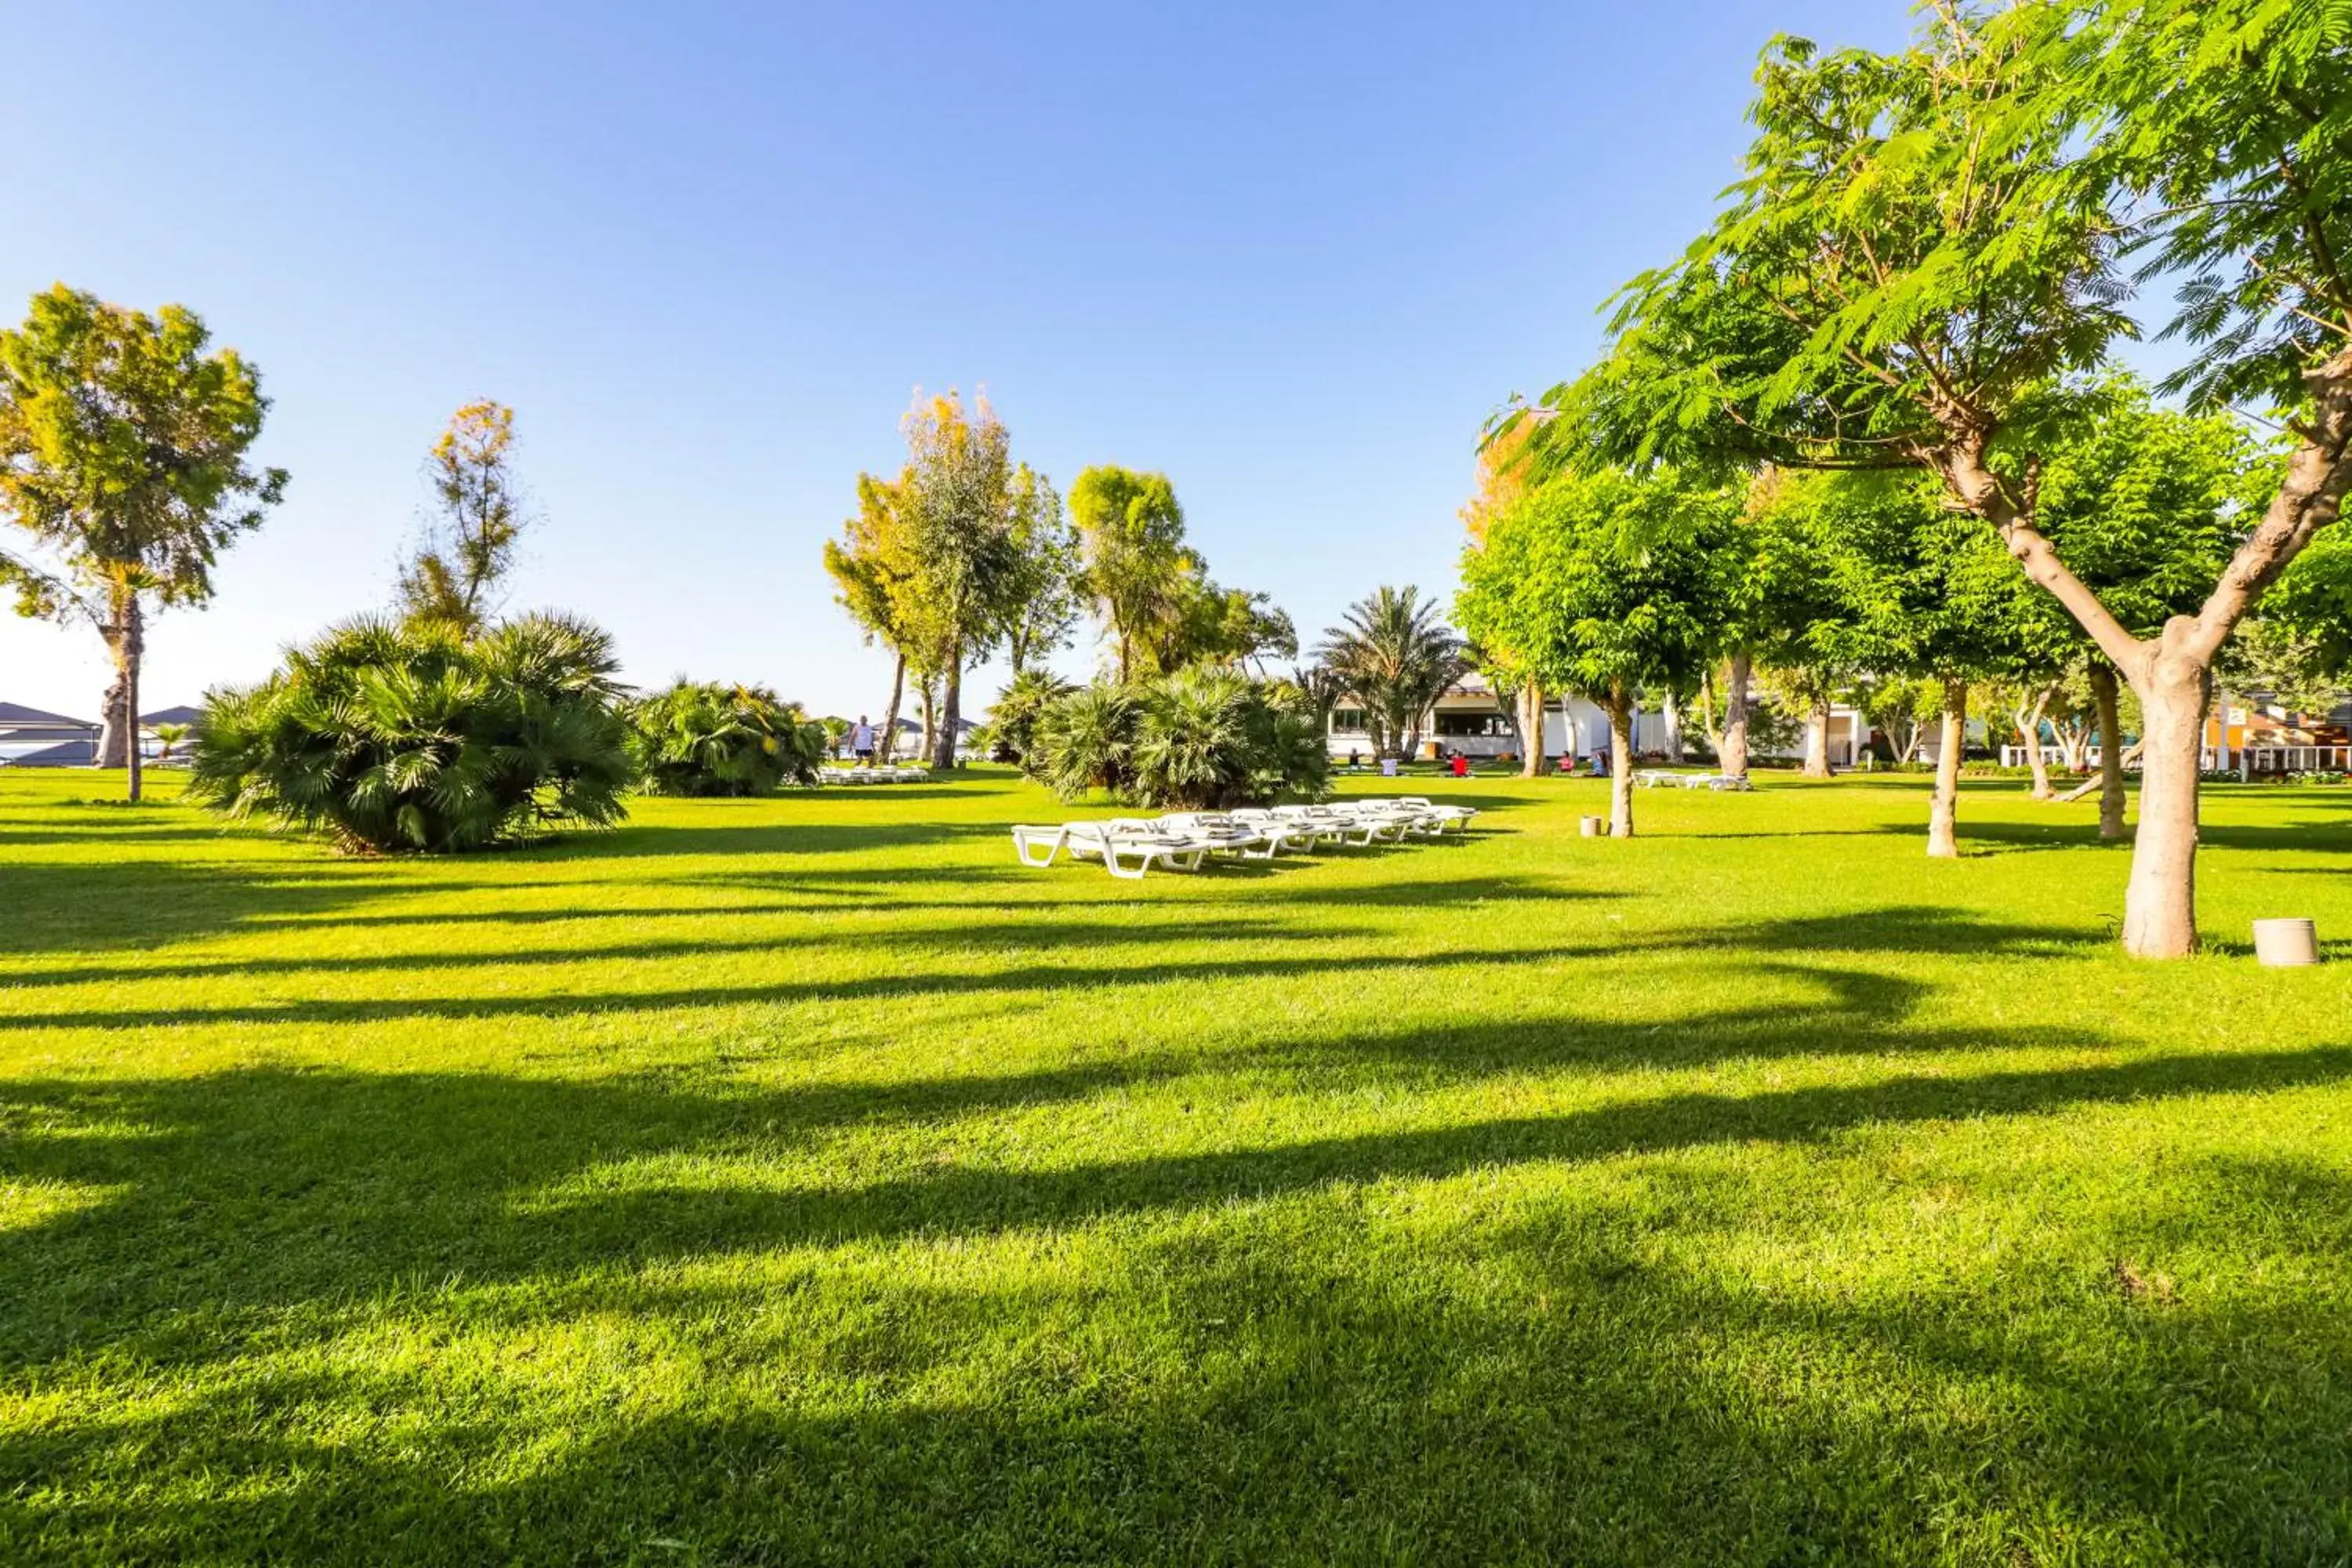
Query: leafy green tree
x,y
873,570
123,455
456,575
1931,594
966,506
1603,584
709,739
1137,570
1042,596
2146,505
1790,614
1396,658
1924,240
409,736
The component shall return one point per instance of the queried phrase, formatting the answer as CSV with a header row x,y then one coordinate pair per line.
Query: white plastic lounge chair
x,y
1226,834
1122,839
1282,833
1440,816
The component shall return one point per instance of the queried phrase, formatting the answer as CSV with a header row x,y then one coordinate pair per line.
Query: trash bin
x,y
2285,944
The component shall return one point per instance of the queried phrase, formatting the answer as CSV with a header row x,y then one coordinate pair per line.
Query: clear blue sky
x,y
1290,255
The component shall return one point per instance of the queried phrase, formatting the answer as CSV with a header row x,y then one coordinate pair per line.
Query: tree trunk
x,y
886,742
1944,814
1671,712
2111,749
2029,730
108,754
927,701
1817,739
118,737
2160,904
1621,765
1531,727
943,754
1732,758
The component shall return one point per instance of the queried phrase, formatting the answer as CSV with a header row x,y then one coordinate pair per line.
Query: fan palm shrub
x,y
711,738
389,737
1202,739
1012,720
1086,741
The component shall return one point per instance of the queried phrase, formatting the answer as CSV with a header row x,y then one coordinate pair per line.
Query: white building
x,y
1471,719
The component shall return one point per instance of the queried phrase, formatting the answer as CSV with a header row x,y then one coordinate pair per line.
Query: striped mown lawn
x,y
803,1181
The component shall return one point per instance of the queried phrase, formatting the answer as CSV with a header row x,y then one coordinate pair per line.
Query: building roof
x,y
183,714
64,755
15,716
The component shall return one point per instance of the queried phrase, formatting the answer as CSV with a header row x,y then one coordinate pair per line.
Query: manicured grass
x,y
801,1181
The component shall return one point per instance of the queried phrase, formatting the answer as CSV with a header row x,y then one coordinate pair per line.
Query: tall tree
x,y
461,565
1042,597
1925,238
871,566
1137,568
1396,658
1502,480
964,516
1605,582
123,455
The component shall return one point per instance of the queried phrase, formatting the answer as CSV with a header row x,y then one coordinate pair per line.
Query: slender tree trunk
x,y
108,754
1621,764
2111,749
1732,758
2174,690
926,704
950,711
135,646
1531,725
117,735
1944,813
1817,739
886,743
1125,649
2029,730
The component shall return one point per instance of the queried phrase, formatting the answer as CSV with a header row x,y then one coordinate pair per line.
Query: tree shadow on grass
x,y
95,906
1023,935
1244,1386
769,837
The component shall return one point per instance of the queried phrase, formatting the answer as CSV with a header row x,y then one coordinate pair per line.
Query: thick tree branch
x,y
1982,492
2311,499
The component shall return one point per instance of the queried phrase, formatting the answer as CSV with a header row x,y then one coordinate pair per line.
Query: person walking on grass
x,y
861,740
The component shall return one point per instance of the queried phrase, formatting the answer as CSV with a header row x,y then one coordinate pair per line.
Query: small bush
x,y
391,737
711,738
1012,729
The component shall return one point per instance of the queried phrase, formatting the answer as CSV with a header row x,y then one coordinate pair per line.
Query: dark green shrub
x,y
711,738
1012,731
390,737
1202,739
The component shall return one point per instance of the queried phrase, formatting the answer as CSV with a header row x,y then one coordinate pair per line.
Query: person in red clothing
x,y
1461,765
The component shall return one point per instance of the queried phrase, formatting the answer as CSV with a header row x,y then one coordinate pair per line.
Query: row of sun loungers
x,y
872,776
1129,847
1666,778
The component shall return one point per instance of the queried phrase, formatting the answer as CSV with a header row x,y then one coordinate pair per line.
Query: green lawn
x,y
801,1181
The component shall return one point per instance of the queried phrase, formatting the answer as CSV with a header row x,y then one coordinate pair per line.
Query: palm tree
x,y
1397,657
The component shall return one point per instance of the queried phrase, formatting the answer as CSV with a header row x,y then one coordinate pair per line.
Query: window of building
x,y
1347,721
1472,726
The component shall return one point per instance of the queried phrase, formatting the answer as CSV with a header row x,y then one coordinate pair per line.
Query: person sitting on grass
x,y
1461,765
